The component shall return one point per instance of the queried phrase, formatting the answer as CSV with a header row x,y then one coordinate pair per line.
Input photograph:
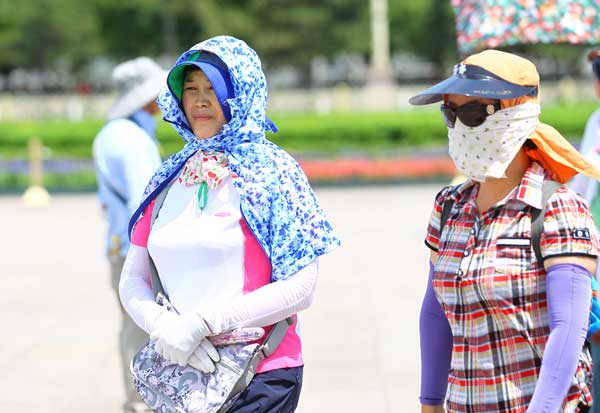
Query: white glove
x,y
204,357
178,335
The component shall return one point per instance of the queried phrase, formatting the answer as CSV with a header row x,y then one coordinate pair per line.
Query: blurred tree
x,y
290,31
425,28
38,33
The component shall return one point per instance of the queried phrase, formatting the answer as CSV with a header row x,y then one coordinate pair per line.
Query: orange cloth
x,y
553,151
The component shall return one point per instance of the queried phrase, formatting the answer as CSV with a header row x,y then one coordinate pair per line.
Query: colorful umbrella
x,y
483,24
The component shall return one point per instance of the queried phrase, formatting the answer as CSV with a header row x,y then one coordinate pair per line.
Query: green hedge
x,y
308,133
80,181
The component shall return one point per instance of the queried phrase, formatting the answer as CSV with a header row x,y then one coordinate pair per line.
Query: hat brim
x,y
136,98
177,74
488,88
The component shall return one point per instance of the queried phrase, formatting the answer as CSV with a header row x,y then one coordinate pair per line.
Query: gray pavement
x,y
59,319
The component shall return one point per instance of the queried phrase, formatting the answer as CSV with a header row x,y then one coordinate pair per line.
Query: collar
x,y
145,121
529,191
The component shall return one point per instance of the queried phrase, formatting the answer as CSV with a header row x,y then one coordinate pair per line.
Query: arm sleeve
x,y
568,289
266,305
135,289
436,347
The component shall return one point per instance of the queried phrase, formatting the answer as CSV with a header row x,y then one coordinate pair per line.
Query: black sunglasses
x,y
472,114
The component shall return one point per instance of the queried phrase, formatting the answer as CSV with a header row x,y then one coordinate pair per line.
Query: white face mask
x,y
487,150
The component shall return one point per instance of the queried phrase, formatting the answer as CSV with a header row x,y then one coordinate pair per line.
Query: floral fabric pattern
x,y
276,199
209,167
482,24
487,150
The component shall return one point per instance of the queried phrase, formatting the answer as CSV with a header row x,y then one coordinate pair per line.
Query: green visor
x,y
215,70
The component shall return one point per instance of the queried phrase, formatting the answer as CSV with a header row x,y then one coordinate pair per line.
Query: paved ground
x,y
58,330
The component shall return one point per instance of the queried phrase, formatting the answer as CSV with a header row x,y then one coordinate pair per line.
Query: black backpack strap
x,y
446,208
549,187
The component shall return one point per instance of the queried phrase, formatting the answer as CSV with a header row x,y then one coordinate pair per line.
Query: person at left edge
x,y
126,155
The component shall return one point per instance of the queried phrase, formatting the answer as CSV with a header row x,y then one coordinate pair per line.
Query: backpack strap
x,y
446,208
112,189
549,187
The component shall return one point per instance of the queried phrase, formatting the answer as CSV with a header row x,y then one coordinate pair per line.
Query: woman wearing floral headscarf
x,y
500,330
239,233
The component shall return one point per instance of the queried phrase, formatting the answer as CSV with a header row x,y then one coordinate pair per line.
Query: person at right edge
x,y
587,187
500,331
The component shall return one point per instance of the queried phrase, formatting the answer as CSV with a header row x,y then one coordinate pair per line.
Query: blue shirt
x,y
125,156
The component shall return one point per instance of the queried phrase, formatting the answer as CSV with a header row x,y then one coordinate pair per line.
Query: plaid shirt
x,y
493,291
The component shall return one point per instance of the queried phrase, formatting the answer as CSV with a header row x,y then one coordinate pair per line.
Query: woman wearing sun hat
x,y
500,331
239,233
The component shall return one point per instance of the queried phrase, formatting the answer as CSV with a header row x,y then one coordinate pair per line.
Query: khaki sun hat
x,y
513,80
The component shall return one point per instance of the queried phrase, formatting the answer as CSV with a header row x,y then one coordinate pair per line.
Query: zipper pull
x,y
202,195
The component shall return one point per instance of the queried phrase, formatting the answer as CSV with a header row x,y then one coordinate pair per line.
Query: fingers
x,y
211,351
171,356
201,361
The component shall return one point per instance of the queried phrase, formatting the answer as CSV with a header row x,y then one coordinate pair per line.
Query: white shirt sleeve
x,y
266,305
135,289
262,307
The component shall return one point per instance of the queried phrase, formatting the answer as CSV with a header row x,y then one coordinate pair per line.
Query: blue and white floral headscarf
x,y
276,198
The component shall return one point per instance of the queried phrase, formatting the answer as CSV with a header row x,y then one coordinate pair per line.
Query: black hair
x,y
189,69
529,144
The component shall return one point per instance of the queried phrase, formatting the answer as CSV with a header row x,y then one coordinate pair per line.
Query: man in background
x,y
588,188
126,154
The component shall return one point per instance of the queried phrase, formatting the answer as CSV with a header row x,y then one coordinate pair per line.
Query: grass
x,y
376,134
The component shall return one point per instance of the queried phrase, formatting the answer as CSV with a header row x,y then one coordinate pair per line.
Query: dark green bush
x,y
374,133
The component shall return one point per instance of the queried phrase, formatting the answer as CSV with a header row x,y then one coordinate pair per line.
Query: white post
x,y
380,43
36,195
380,93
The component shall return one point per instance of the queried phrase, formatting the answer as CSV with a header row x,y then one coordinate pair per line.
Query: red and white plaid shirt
x,y
493,291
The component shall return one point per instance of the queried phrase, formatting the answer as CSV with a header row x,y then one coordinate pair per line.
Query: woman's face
x,y
201,106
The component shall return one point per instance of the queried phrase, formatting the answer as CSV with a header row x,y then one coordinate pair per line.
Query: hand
x,y
204,357
178,335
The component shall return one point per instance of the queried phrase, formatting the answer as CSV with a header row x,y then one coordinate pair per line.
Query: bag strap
x,y
446,208
111,188
549,187
275,337
271,343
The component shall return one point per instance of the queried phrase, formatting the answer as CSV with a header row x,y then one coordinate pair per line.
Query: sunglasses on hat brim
x,y
471,114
